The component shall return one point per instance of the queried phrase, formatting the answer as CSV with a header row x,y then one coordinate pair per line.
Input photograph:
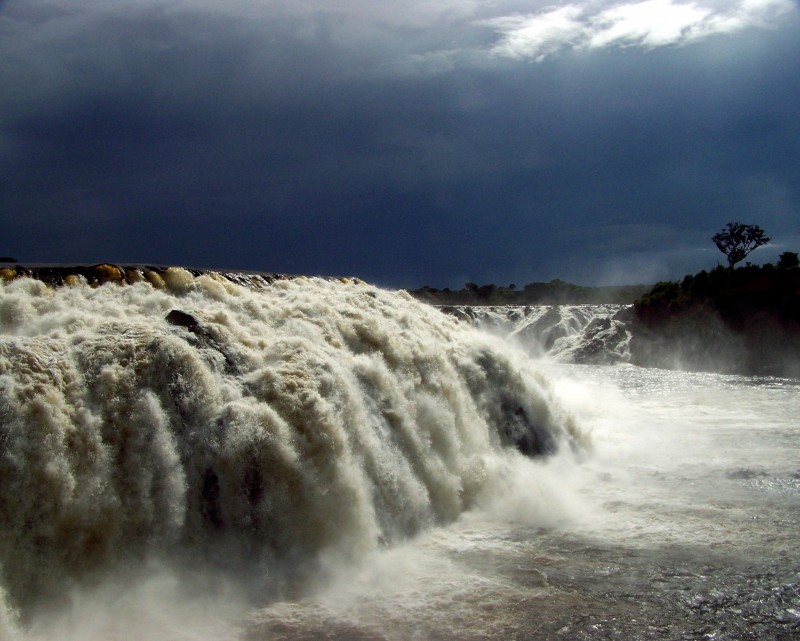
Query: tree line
x,y
555,292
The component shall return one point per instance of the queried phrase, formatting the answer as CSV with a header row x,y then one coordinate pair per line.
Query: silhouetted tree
x,y
737,240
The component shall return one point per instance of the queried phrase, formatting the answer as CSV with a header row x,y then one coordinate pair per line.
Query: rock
x,y
521,432
133,276
72,280
154,278
184,319
205,339
106,273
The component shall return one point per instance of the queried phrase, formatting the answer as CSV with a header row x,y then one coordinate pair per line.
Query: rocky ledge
x,y
158,276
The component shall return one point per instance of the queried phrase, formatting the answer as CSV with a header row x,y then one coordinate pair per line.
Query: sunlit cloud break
x,y
648,24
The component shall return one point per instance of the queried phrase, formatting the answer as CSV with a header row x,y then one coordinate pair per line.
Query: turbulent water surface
x,y
594,334
326,460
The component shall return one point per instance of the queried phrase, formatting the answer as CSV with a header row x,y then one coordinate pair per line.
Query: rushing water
x,y
322,460
594,334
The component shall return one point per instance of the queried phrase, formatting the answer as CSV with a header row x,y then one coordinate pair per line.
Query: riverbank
x,y
742,321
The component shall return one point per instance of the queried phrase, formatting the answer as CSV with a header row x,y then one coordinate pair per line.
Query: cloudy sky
x,y
407,142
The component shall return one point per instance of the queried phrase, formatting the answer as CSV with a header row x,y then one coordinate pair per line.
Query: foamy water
x,y
681,524
261,438
593,334
367,484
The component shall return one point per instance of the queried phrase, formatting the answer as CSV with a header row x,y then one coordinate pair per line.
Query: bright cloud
x,y
647,23
652,23
540,35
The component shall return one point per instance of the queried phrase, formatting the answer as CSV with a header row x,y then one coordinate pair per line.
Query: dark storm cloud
x,y
406,143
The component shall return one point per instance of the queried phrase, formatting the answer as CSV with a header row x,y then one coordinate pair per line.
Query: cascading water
x,y
591,334
256,431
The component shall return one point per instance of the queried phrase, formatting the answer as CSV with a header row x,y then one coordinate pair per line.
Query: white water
x,y
269,437
587,334
388,507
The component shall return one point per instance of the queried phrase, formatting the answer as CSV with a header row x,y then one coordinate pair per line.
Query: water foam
x,y
261,432
586,334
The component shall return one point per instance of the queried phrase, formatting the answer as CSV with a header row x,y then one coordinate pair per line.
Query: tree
x,y
788,260
737,240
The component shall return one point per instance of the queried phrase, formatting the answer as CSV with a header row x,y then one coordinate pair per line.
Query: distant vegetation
x,y
556,292
744,320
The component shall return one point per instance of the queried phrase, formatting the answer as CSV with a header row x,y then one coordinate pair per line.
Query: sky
x,y
405,142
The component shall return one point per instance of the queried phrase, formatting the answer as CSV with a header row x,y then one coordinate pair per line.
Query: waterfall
x,y
586,334
253,427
